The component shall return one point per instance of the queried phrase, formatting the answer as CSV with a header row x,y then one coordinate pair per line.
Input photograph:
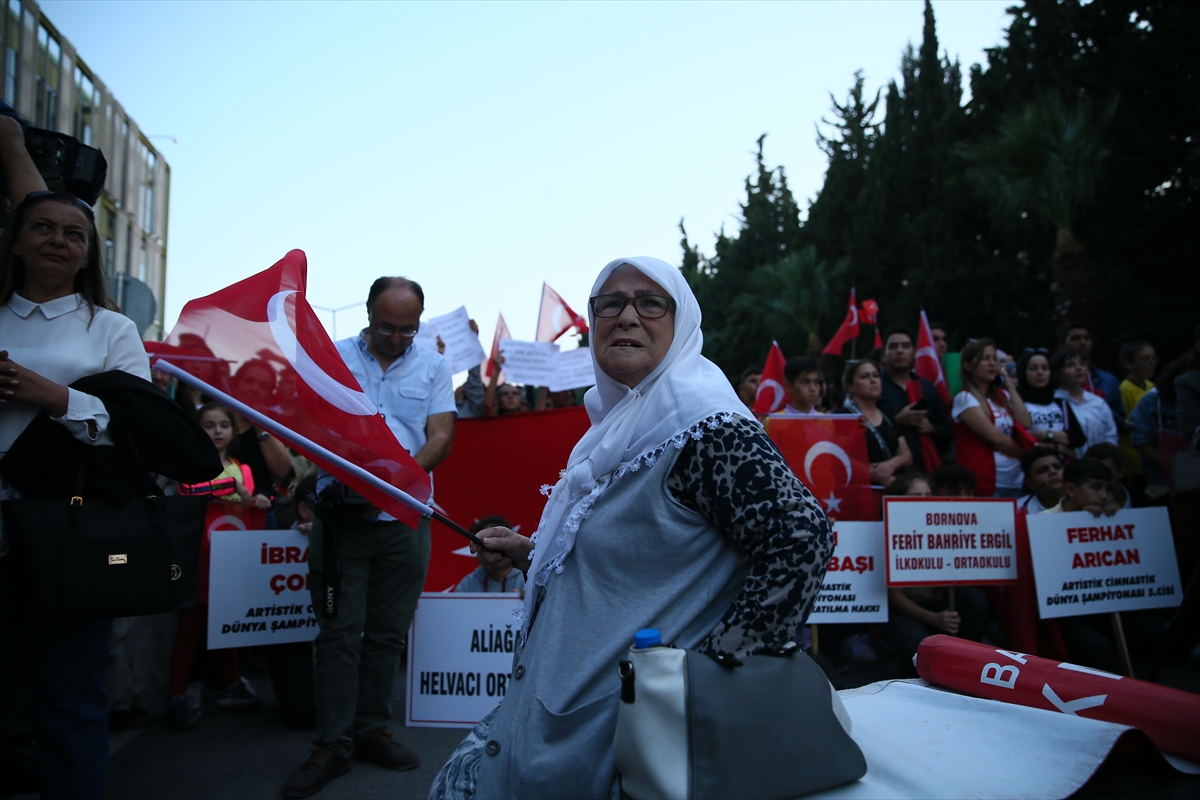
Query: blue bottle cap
x,y
647,637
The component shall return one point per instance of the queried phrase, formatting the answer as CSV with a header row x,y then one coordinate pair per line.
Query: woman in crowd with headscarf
x,y
1052,423
675,512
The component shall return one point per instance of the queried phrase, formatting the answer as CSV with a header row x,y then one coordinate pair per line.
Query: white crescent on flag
x,y
826,449
777,393
337,394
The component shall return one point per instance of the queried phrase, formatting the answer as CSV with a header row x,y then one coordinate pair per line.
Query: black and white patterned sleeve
x,y
736,479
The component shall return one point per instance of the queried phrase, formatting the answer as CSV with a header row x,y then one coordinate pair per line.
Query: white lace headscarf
x,y
631,427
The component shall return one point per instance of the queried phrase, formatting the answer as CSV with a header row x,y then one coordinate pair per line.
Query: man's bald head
x,y
398,284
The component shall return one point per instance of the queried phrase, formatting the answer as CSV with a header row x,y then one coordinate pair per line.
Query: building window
x,y
49,65
149,167
85,104
123,192
110,240
12,46
142,264
128,248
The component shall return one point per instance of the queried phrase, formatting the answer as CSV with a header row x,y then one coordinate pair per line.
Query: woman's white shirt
x,y
1008,469
1094,417
61,341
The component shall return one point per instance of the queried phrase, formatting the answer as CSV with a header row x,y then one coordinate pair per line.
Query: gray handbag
x,y
764,727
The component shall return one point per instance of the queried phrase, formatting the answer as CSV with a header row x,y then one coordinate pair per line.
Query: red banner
x,y
497,466
772,392
224,516
841,482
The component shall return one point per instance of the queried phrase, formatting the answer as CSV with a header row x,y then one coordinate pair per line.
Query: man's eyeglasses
x,y
387,331
647,306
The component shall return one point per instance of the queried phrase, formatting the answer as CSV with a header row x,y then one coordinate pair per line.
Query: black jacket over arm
x,y
150,433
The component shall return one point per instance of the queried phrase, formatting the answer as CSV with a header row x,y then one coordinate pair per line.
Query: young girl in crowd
x,y
235,484
1053,424
1139,361
986,413
1069,371
887,451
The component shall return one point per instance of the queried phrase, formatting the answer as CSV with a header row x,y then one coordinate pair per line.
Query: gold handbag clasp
x,y
77,501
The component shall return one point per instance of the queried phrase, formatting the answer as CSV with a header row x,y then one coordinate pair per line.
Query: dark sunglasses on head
x,y
61,197
647,306
1037,351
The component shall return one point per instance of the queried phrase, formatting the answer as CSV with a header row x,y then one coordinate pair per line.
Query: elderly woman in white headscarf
x,y
675,512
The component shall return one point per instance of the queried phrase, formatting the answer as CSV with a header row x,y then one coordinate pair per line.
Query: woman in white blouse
x,y
55,328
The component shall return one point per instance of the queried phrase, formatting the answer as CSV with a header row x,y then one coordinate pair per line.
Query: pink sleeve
x,y
247,479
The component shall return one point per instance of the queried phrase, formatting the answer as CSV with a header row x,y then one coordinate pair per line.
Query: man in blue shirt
x,y
382,561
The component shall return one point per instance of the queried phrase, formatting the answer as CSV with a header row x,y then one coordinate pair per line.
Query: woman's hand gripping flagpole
x,y
285,433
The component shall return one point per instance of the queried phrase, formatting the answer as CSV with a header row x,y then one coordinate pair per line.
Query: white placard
x,y
573,369
258,589
948,542
463,349
460,652
855,586
530,363
427,336
1091,565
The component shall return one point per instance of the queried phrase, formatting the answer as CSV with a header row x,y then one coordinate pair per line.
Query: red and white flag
x,y
928,365
772,387
555,317
489,366
848,330
260,342
829,456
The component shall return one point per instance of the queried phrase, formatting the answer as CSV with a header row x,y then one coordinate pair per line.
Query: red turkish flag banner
x,y
829,455
846,332
772,386
224,516
471,484
928,365
260,342
555,317
501,333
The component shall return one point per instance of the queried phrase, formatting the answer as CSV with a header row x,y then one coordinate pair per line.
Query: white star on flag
x,y
832,504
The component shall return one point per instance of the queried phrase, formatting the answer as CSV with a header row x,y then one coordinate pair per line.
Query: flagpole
x,y
289,435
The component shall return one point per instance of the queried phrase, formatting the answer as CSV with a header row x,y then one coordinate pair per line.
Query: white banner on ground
x,y
258,589
463,349
950,541
530,363
1091,565
460,652
573,370
855,586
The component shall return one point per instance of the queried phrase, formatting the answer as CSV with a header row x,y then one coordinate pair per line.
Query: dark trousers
x,y
291,668
904,632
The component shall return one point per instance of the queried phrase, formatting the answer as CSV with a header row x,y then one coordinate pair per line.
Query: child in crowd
x,y
806,386
1120,494
953,480
235,484
492,579
1043,468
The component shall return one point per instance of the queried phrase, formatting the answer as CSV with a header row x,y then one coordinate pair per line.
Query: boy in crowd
x,y
1119,495
747,385
1085,488
1078,337
806,386
1043,478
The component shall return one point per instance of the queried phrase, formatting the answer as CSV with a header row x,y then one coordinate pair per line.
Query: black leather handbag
x,y
93,559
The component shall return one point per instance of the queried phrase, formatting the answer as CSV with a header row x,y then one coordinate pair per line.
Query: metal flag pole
x,y
287,434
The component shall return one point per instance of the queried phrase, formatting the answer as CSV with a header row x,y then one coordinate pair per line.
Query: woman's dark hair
x,y
952,480
904,482
1129,351
1166,378
797,366
851,371
494,521
1042,396
89,281
1059,360
971,353
214,406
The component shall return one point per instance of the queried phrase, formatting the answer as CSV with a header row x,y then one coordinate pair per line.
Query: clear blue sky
x,y
480,148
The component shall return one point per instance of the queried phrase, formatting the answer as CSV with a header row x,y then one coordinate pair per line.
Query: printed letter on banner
x,y
258,589
460,657
1091,565
855,587
948,542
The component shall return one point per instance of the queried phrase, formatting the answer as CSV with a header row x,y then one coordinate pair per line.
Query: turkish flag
x,y
260,342
846,332
470,485
841,480
489,366
224,516
928,365
555,317
772,394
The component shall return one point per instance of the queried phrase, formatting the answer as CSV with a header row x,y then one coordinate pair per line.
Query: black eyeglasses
x,y
387,331
647,306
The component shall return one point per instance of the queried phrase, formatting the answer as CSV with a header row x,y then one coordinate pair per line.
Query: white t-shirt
x,y
1046,417
1008,469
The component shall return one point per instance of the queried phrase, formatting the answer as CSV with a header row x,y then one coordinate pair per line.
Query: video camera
x,y
65,163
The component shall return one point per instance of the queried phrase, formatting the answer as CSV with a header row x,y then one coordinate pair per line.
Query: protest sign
x,y
855,586
258,589
460,653
463,349
427,336
572,370
530,363
1090,565
950,541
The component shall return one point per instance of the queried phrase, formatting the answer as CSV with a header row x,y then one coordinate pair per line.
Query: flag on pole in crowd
x,y
489,366
555,317
928,365
829,456
772,386
259,342
848,331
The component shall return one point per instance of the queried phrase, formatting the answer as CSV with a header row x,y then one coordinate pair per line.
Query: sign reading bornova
x,y
460,653
947,542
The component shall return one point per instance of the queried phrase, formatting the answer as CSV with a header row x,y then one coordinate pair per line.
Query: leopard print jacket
x,y
737,480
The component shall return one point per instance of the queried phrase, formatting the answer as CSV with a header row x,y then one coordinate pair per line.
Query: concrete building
x,y
49,84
